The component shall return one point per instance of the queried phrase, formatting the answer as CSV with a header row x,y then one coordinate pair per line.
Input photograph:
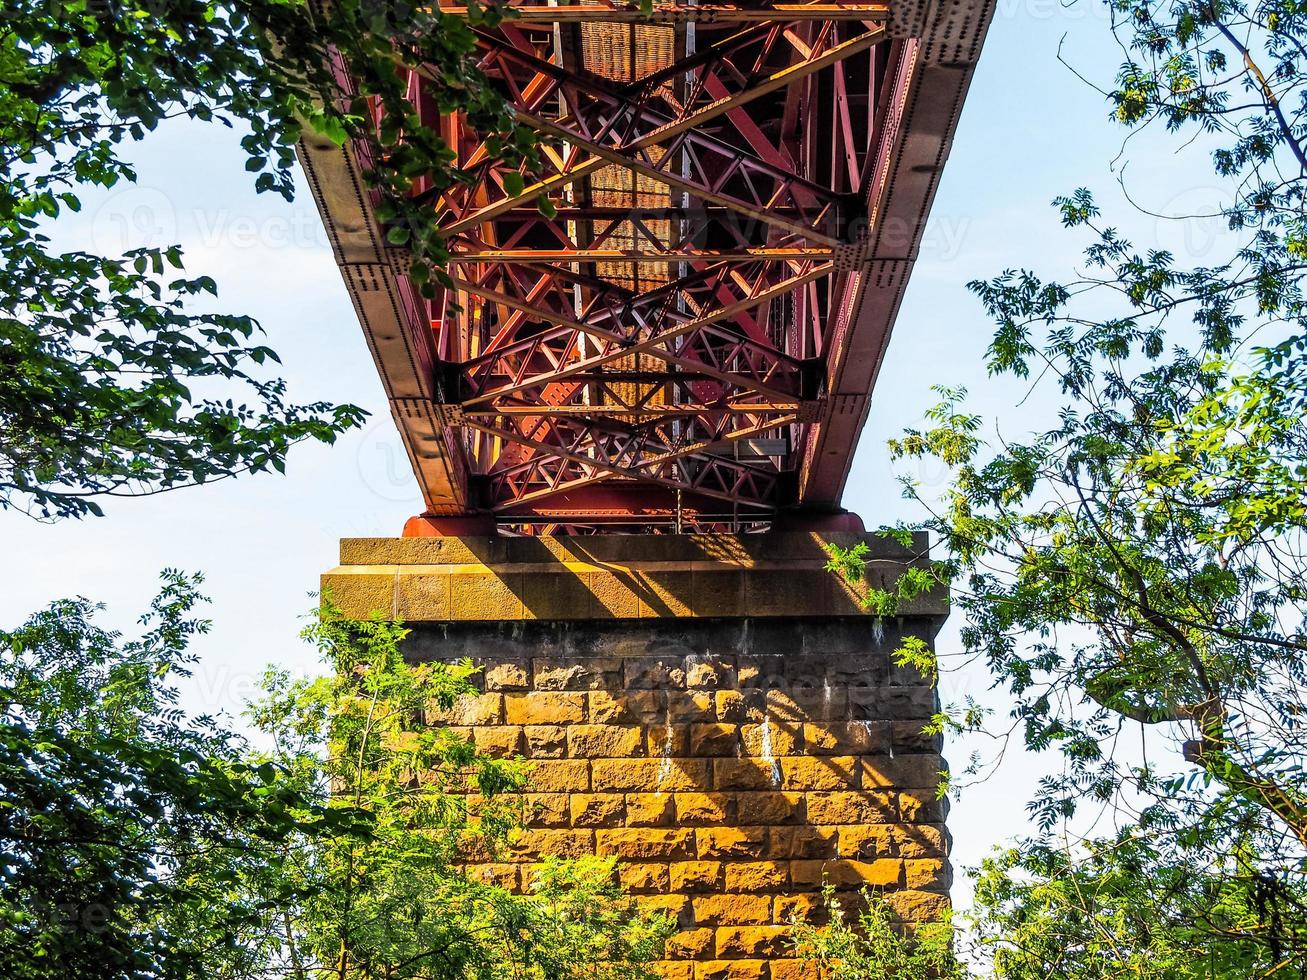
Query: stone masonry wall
x,y
732,765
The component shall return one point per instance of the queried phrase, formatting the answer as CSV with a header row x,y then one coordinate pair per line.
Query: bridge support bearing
x,y
717,712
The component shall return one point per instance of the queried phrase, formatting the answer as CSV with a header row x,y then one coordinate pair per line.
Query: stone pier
x,y
718,712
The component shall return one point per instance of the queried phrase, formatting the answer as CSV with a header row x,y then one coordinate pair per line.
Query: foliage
x,y
1135,906
1132,576
139,843
126,830
400,902
875,946
111,383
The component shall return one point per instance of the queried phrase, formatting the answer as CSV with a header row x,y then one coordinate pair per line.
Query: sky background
x,y
1030,130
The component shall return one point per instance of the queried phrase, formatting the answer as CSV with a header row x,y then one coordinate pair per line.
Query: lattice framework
x,y
654,329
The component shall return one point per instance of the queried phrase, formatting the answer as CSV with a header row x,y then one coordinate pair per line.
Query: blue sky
x,y
1030,131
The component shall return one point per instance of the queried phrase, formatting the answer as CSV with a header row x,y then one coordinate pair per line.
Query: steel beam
x,y
542,256
681,13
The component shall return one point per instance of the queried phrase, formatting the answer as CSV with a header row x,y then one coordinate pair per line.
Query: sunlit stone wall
x,y
717,714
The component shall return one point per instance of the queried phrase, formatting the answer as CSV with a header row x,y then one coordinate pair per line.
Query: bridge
x,y
676,323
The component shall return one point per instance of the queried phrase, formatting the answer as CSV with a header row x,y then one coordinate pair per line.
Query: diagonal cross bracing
x,y
674,319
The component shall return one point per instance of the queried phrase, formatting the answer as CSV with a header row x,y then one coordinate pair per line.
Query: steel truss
x,y
682,354
649,330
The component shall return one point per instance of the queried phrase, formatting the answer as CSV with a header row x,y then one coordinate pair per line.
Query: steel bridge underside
x,y
675,322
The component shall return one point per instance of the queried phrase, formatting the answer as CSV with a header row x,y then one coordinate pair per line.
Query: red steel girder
x,y
674,320
535,14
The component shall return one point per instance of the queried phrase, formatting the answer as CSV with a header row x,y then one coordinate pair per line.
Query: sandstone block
x,y
666,593
792,592
675,907
907,736
767,809
864,705
485,596
604,741
901,770
534,845
556,595
922,806
645,844
917,906
499,875
545,741
730,970
743,774
702,808
756,876
360,595
544,708
739,706
729,910
731,842
714,738
845,737
764,672
796,706
789,970
672,970
692,944
649,809
668,742
846,874
624,707
919,840
640,878
653,673
597,809
507,676
908,702
649,775
809,907
696,876
812,906
927,874
470,710
866,842
708,672
752,942
615,594
718,592
498,741
802,841
546,809
690,706
833,772
473,847
771,740
588,674
559,776
852,807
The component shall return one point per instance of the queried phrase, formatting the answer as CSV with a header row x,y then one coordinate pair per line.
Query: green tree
x,y
1133,575
1135,906
142,844
111,383
401,902
126,828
